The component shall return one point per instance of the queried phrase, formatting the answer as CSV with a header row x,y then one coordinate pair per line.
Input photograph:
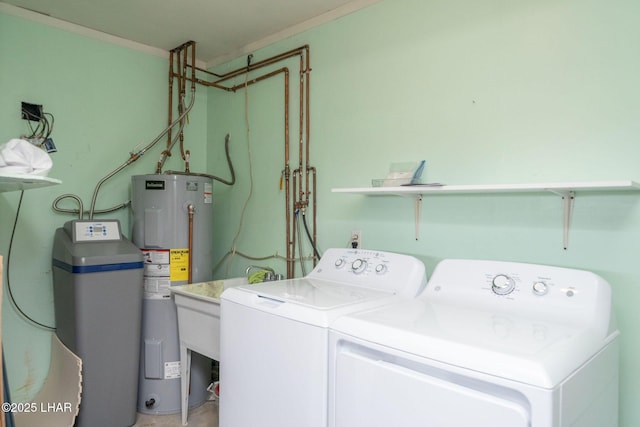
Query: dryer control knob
x,y
358,266
502,284
340,262
540,288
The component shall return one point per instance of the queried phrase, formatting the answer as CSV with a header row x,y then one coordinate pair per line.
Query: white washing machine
x,y
274,336
487,344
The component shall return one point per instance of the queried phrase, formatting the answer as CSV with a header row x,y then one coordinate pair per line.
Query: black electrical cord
x,y
15,303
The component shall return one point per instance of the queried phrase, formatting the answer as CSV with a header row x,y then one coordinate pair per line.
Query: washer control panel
x,y
396,273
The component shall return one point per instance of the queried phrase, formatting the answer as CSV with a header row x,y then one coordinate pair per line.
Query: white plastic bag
x,y
22,157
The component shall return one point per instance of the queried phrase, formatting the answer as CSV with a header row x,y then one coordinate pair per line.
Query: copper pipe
x,y
289,239
284,70
286,171
308,142
301,121
291,253
190,212
183,88
315,208
299,189
178,64
182,81
242,70
169,119
210,84
193,62
287,174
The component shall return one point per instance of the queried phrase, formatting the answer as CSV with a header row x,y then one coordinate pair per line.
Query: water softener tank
x,y
172,225
97,290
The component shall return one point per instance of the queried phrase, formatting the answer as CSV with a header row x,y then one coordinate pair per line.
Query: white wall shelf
x,y
16,182
566,190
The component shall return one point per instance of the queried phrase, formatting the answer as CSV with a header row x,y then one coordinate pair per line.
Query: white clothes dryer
x,y
487,344
275,335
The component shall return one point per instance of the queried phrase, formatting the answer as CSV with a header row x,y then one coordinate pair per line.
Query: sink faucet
x,y
269,276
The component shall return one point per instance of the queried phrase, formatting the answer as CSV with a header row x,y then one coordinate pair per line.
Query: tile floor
x,y
205,415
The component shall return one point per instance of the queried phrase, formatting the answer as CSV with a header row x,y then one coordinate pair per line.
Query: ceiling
x,y
222,29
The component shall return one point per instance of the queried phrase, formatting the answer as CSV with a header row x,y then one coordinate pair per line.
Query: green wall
x,y
108,100
487,92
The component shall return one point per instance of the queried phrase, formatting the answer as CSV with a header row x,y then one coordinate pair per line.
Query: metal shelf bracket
x,y
568,197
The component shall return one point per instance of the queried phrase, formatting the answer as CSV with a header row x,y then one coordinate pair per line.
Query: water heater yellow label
x,y
179,261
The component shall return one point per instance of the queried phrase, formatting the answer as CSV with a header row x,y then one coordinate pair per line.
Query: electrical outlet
x,y
31,112
355,241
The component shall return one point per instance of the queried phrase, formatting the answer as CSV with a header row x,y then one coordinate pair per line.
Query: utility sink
x,y
199,314
199,326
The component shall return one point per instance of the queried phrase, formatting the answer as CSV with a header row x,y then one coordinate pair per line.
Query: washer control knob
x,y
358,266
381,268
502,284
340,262
540,288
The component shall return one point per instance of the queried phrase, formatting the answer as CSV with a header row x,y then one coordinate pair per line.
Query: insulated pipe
x,y
190,212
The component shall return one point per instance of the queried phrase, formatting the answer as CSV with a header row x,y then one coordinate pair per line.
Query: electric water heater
x,y
172,225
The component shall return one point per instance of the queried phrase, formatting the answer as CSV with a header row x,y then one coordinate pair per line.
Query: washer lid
x,y
527,350
314,293
313,301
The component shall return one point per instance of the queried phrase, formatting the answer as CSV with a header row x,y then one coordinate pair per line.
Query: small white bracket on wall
x,y
417,210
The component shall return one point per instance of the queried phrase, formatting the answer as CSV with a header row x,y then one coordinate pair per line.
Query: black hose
x,y
306,228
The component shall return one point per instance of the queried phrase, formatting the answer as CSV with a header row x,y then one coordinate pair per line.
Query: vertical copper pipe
x,y
170,118
190,212
287,173
193,65
315,207
307,75
183,83
308,142
301,121
299,189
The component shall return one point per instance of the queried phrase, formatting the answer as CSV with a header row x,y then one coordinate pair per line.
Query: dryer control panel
x,y
396,273
531,290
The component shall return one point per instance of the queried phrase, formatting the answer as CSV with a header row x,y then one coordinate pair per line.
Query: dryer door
x,y
379,390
